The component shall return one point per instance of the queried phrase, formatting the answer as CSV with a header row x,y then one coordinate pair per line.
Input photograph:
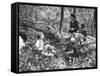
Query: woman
x,y
73,24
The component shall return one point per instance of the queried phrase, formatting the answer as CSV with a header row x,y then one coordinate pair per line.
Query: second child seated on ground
x,y
43,47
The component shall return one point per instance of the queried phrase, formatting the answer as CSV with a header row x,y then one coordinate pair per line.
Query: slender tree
x,y
94,23
62,15
74,10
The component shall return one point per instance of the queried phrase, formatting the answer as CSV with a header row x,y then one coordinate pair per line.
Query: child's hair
x,y
82,26
23,36
38,37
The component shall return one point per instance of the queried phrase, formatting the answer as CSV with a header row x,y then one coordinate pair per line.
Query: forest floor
x,y
32,60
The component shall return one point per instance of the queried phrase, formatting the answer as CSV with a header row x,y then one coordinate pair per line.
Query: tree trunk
x,y
94,23
62,15
74,10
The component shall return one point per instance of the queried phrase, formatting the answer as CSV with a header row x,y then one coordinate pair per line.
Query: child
x,y
82,30
40,43
22,40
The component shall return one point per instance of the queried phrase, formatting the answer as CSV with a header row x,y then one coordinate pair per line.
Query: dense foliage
x,y
46,19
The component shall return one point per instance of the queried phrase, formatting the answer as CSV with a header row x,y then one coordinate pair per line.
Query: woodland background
x,y
59,17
